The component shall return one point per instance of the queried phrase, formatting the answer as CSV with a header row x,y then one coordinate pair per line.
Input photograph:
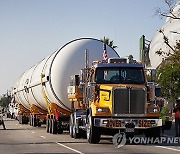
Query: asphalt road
x,y
19,138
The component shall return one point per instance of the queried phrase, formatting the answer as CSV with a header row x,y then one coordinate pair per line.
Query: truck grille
x,y
128,100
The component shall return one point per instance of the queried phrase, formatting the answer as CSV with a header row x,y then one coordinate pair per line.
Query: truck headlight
x,y
152,110
102,109
155,110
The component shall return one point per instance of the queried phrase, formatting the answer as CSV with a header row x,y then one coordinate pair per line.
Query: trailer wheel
x,y
23,119
47,125
30,120
50,126
59,127
71,123
34,121
54,126
93,135
38,122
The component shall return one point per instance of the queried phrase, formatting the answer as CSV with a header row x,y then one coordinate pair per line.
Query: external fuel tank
x,y
51,76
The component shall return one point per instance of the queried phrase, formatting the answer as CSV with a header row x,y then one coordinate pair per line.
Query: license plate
x,y
129,130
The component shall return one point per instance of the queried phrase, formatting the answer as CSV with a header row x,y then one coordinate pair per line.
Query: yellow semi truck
x,y
112,96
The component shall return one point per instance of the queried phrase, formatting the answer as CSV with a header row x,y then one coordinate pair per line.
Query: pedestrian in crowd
x,y
163,113
176,110
2,121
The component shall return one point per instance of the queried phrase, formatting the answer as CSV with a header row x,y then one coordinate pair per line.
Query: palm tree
x,y
108,42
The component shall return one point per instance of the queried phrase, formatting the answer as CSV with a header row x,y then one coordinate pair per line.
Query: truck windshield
x,y
119,75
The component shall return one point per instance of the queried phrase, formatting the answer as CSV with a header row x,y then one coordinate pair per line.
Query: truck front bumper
x,y
121,123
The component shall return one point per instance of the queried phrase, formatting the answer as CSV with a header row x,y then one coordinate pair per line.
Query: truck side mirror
x,y
153,75
74,80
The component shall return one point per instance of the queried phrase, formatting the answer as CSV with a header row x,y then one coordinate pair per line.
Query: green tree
x,y
168,73
108,42
5,100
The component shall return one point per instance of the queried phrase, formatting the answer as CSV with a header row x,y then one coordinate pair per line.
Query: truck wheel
x,y
30,120
153,132
93,136
71,123
54,126
50,126
20,119
47,125
39,124
59,127
75,127
34,123
24,120
75,134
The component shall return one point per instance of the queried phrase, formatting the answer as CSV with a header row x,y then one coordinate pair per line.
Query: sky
x,y
30,30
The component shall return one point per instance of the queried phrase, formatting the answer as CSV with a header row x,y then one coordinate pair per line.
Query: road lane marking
x,y
168,148
33,132
69,148
43,136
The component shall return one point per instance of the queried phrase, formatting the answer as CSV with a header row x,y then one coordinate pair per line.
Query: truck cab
x,y
121,88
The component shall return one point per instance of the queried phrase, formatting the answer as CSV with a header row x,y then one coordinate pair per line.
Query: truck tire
x,y
75,127
38,122
30,120
23,119
54,126
50,126
20,119
47,125
59,127
75,134
92,133
34,123
71,124
153,132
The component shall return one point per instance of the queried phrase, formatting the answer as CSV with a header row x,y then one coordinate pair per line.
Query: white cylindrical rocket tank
x,y
57,70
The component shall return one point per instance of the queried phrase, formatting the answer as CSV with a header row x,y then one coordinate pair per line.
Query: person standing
x,y
2,122
162,107
176,110
163,117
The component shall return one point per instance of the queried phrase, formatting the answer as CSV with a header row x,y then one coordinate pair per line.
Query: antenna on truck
x,y
86,77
